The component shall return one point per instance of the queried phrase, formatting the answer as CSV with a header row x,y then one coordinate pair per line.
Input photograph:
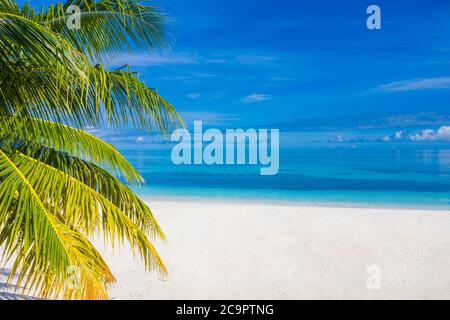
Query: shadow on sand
x,y
7,291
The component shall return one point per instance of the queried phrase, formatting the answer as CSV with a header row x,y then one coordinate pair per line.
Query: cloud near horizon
x,y
416,84
441,134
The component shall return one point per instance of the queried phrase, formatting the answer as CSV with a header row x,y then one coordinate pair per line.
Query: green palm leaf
x,y
60,185
87,210
109,27
44,246
101,181
67,139
43,76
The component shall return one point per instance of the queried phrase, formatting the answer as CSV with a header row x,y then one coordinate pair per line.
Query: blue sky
x,y
266,62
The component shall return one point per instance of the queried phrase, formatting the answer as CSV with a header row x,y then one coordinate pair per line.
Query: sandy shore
x,y
250,251
239,251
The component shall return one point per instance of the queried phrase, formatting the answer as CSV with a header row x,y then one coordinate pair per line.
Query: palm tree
x,y
60,185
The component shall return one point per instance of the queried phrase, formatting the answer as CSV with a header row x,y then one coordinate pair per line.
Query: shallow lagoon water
x,y
409,175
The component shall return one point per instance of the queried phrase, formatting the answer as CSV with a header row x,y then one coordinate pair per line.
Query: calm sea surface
x,y
372,174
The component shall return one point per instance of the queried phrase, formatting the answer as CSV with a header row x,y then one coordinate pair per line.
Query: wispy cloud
x,y
194,95
256,97
255,59
203,75
96,132
209,118
219,61
416,84
366,121
281,79
186,58
143,60
173,78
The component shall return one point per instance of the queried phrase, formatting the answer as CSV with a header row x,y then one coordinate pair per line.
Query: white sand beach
x,y
248,251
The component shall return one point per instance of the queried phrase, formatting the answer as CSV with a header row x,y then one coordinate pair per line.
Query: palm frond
x,y
85,209
100,181
27,45
105,98
59,184
107,27
44,247
20,131
9,6
126,99
25,41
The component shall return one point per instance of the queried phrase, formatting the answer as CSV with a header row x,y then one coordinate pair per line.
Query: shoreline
x,y
224,200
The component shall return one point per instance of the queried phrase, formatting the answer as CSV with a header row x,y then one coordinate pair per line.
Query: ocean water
x,y
407,175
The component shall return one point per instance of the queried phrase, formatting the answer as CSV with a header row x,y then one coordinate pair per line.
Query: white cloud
x,y
143,60
140,139
416,84
255,59
194,95
256,97
442,134
398,135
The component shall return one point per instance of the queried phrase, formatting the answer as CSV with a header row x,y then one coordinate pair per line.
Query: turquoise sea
x,y
407,175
